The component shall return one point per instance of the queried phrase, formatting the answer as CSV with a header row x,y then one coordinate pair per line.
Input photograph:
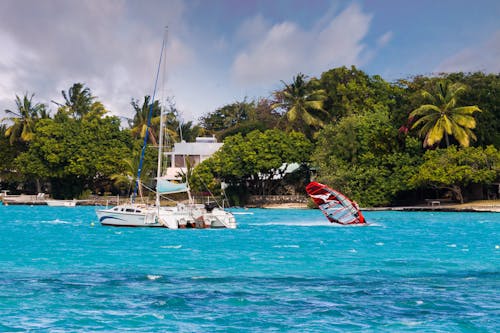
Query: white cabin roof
x,y
204,146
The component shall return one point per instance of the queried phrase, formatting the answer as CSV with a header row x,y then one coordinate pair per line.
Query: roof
x,y
204,146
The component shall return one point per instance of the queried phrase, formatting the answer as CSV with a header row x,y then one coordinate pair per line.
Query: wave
x,y
316,223
56,221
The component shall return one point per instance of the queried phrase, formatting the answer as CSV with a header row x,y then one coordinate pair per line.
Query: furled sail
x,y
164,186
336,206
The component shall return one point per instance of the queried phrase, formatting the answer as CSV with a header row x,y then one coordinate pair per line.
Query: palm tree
x,y
301,100
139,124
24,119
126,179
78,100
442,117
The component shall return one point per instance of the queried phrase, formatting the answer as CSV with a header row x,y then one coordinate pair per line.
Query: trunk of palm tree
x,y
447,139
38,185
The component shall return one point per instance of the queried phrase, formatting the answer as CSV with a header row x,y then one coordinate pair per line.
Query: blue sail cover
x,y
164,186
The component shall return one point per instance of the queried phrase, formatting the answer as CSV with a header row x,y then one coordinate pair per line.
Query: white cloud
x,y
272,57
285,49
252,29
111,46
384,39
484,57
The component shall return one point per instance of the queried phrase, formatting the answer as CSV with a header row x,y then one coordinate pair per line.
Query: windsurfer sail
x,y
336,206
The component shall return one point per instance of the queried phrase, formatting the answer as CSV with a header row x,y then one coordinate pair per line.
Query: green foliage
x,y
240,117
24,119
78,100
483,91
139,124
360,157
8,153
254,160
351,91
302,102
226,116
442,117
74,154
358,151
202,178
454,169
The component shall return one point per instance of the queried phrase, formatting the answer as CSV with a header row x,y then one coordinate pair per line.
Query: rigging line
x,y
144,144
211,194
165,137
161,195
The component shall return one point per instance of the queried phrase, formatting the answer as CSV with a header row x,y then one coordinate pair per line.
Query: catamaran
x,y
182,215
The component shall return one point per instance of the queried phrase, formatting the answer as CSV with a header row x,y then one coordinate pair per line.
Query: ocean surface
x,y
282,270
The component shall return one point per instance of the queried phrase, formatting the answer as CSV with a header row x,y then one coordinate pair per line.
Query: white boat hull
x,y
128,216
61,203
181,216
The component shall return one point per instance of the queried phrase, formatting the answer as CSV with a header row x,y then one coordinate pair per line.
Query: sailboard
x,y
336,206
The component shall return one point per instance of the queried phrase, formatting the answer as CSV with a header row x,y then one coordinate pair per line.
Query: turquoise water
x,y
280,271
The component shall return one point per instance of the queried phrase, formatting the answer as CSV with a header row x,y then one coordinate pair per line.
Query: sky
x,y
224,51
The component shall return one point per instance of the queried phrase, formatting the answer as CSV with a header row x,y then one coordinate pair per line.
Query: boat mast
x,y
160,143
150,115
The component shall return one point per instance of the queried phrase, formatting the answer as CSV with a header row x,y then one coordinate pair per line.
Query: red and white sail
x,y
336,206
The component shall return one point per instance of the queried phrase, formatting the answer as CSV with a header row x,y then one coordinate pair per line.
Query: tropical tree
x,y
454,169
24,118
351,91
301,100
75,155
8,153
257,161
241,117
360,156
442,117
483,90
139,124
227,116
78,100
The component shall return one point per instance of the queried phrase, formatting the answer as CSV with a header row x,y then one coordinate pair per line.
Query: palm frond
x,y
464,120
435,135
467,109
446,124
425,109
461,136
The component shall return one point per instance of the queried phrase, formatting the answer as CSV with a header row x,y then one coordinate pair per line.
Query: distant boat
x,y
61,203
182,215
336,206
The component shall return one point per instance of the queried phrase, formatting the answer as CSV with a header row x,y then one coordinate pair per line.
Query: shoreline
x,y
473,206
492,206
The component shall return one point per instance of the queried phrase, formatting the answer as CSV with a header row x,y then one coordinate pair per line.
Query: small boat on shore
x,y
61,203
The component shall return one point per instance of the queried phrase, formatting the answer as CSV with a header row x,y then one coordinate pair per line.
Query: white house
x,y
194,152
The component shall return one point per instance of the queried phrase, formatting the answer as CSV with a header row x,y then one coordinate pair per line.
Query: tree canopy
x,y
357,132
256,161
442,117
454,169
